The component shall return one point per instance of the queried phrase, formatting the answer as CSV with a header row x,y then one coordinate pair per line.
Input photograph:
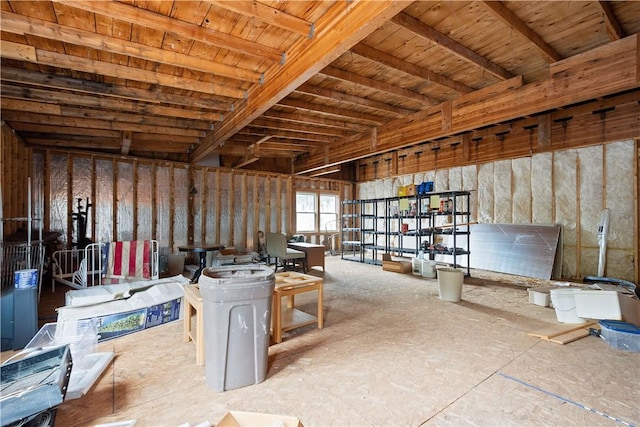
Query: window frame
x,y
318,194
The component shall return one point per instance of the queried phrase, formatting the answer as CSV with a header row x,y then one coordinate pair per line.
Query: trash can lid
x,y
239,274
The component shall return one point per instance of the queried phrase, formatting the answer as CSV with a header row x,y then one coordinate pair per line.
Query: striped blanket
x,y
127,259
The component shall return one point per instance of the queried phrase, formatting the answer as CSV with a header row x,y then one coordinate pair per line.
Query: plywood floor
x,y
391,354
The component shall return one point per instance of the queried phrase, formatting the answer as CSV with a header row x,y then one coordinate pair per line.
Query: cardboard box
x,y
246,419
159,304
607,305
389,264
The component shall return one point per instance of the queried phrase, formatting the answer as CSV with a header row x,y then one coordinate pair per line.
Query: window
x,y
316,212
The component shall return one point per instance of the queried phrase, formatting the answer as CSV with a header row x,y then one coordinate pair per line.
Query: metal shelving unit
x,y
436,223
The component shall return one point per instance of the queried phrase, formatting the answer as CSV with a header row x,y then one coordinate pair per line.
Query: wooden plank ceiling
x,y
268,84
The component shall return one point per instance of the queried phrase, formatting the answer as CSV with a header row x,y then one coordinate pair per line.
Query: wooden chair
x,y
277,247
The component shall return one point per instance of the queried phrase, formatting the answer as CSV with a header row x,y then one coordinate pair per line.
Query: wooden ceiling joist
x,y
352,99
18,24
66,99
505,15
269,15
339,29
377,84
298,127
409,68
54,59
14,75
614,29
139,16
611,68
333,111
429,33
13,116
313,119
325,81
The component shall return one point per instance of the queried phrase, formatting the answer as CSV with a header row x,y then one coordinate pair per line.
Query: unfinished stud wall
x,y
566,187
174,203
15,161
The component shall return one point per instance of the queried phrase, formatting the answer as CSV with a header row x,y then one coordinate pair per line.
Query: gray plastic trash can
x,y
237,321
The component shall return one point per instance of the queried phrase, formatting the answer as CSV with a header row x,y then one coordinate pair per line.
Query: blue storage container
x,y
621,335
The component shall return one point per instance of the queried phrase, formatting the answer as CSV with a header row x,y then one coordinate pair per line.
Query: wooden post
x,y
134,196
191,188
217,207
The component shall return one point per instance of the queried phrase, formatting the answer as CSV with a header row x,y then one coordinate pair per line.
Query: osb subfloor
x,y
391,353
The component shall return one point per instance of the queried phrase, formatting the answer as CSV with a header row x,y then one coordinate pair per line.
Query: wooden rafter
x,y
572,81
299,127
49,119
53,59
76,99
285,134
342,27
352,99
429,33
138,16
501,12
9,74
307,118
269,15
333,111
614,29
18,24
376,84
409,68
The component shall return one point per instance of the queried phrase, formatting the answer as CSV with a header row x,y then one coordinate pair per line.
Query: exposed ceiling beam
x,y
352,99
501,12
269,15
83,143
346,24
421,29
19,24
29,106
325,171
299,127
614,29
53,59
334,111
9,74
75,99
48,119
285,134
608,69
64,131
313,119
409,68
138,16
348,76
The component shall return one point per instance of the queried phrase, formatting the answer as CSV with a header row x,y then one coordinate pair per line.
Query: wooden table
x,y
289,284
201,249
314,253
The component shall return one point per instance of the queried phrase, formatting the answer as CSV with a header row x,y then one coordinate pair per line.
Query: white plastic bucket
x,y
24,279
564,303
428,269
450,284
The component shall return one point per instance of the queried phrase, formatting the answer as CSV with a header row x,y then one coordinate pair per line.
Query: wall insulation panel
x,y
567,188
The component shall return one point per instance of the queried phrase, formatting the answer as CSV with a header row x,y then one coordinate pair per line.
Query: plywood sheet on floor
x,y
391,353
